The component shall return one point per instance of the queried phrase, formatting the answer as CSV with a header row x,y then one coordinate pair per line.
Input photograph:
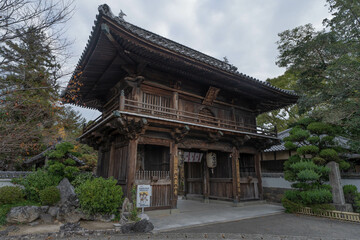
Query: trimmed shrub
x,y
319,160
70,172
57,169
313,139
344,165
320,128
356,204
37,181
307,149
308,175
69,162
49,196
350,192
315,196
290,206
297,135
100,196
80,178
329,155
11,194
290,145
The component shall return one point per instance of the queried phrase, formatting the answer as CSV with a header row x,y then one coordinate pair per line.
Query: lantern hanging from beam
x,y
211,161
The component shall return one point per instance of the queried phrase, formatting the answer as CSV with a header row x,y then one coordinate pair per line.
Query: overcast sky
x,y
245,31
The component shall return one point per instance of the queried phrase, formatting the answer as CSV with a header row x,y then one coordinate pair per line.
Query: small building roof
x,y
42,156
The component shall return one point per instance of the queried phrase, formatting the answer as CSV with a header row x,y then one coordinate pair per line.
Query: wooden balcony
x,y
150,111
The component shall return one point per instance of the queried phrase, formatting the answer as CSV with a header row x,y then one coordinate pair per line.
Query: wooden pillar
x,y
236,174
206,186
131,166
99,161
174,173
175,103
112,160
258,174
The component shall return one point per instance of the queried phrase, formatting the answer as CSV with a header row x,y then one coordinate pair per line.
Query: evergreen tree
x,y
29,109
327,63
315,146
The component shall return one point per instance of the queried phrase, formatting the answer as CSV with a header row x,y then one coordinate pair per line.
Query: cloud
x,y
243,31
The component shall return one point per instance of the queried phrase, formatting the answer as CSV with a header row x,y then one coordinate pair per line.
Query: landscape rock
x,y
46,218
53,211
24,214
44,209
12,228
127,228
34,223
104,217
73,217
4,233
67,227
143,226
67,193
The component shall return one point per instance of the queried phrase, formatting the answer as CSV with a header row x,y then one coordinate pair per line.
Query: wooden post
x,y
258,174
122,100
175,103
174,173
112,160
131,166
206,188
235,174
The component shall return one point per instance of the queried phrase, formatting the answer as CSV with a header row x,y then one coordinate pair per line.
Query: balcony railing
x,y
170,114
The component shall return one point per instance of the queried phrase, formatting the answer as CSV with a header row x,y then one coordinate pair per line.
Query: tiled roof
x,y
279,147
179,48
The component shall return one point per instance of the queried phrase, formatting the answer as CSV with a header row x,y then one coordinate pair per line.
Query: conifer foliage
x,y
314,146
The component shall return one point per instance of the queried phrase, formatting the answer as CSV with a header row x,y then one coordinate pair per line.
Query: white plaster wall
x,y
275,182
280,182
6,182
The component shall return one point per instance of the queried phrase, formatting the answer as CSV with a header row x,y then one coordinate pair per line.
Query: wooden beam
x,y
211,95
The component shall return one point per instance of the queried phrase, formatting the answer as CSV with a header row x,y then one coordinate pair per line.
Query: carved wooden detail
x,y
179,133
211,95
240,141
215,137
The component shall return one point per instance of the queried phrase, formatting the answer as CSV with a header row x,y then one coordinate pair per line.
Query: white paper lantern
x,y
211,161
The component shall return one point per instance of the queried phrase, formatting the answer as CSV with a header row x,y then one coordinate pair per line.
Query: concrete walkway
x,y
192,213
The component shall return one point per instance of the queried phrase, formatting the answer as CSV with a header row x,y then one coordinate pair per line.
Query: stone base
x,y
343,207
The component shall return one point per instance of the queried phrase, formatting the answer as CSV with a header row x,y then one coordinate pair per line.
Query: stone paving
x,y
192,213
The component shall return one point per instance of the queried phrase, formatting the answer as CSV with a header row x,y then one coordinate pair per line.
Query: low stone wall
x,y
273,194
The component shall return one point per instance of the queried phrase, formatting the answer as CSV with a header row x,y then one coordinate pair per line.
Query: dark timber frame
x,y
159,100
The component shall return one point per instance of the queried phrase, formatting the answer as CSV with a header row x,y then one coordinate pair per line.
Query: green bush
x,y
350,189
315,196
69,162
329,155
307,149
290,145
100,196
297,135
56,169
320,128
60,150
319,160
308,175
49,195
356,204
313,139
70,172
290,206
343,165
80,178
10,195
37,181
